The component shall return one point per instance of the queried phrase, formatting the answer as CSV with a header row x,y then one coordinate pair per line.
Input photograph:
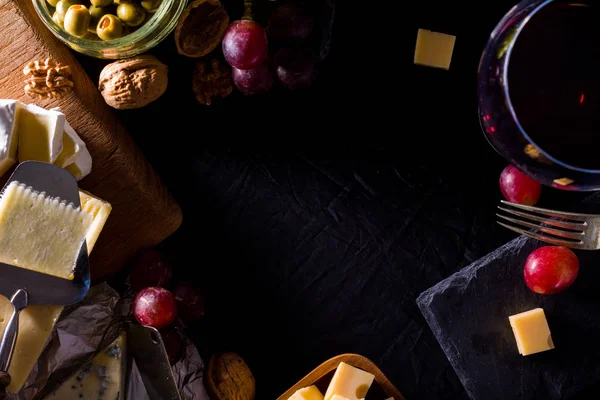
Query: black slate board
x,y
468,313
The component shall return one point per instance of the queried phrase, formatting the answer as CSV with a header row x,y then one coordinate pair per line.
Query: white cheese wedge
x,y
349,382
434,49
51,231
9,111
82,165
40,134
99,379
72,145
36,321
307,393
99,210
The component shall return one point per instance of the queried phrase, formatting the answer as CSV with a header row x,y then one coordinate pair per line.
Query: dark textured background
x,y
314,219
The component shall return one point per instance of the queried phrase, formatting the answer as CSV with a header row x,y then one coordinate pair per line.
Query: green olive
x,y
52,2
95,14
123,1
101,3
77,20
62,7
131,14
151,5
109,27
57,20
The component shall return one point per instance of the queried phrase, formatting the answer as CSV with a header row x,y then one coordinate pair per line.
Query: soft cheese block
x,y
349,382
434,49
99,210
39,232
307,393
82,165
9,111
531,331
72,147
338,397
40,134
99,379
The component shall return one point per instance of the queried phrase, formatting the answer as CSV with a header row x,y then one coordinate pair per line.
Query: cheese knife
x,y
24,287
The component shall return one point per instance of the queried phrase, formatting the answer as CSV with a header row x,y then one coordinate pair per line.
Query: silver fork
x,y
577,231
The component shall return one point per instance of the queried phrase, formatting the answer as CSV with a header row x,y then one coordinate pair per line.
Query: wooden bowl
x,y
321,376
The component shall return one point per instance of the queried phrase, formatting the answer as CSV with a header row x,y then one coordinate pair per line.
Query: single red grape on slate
x,y
245,44
173,343
551,269
518,187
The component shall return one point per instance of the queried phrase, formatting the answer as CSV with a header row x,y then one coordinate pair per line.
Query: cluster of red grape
x,y
160,308
245,48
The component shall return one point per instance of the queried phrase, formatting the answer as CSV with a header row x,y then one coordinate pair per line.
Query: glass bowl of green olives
x,y
110,29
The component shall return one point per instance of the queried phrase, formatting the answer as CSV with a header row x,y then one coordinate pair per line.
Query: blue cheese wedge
x,y
99,379
9,110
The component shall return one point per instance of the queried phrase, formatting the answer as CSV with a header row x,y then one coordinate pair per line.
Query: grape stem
x,y
248,10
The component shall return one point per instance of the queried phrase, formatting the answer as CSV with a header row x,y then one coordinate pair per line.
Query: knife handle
x,y
9,339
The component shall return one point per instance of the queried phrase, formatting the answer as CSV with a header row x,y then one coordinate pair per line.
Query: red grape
x,y
172,342
253,81
294,68
518,187
155,307
551,269
149,269
289,21
245,44
190,303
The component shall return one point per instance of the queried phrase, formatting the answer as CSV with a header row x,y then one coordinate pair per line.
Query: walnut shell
x,y
229,378
133,82
201,28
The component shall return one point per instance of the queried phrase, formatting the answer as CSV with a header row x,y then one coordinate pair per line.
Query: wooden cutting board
x,y
143,213
321,376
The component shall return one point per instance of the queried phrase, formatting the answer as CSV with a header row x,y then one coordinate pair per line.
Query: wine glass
x,y
539,92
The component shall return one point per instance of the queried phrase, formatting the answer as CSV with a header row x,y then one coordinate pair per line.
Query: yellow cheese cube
x,y
531,331
99,210
349,382
308,393
338,397
40,133
434,49
40,233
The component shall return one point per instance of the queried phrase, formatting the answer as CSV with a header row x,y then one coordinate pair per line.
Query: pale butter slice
x,y
100,378
39,232
99,210
9,111
349,382
40,134
307,393
82,165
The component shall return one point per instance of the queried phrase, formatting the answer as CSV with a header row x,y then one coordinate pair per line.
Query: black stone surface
x,y
468,313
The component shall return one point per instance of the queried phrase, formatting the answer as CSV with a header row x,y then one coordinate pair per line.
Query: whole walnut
x,y
133,82
229,378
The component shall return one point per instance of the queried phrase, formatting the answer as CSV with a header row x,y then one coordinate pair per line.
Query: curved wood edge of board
x,y
355,360
144,213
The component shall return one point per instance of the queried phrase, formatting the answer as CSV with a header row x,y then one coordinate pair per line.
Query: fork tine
x,y
575,226
542,238
557,214
556,232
